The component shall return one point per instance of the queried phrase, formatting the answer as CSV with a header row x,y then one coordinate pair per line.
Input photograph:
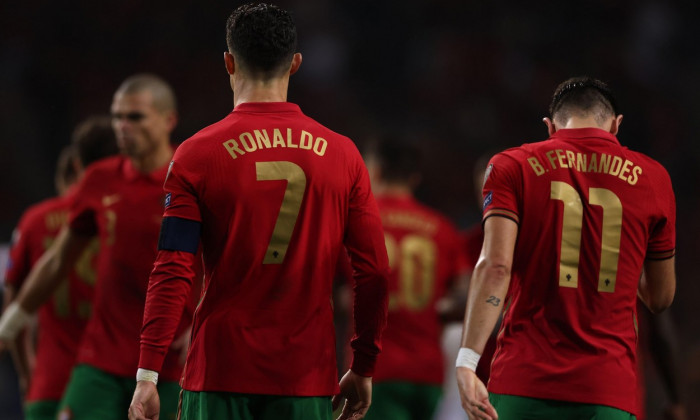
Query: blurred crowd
x,y
456,78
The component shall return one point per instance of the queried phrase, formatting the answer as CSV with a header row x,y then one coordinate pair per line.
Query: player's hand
x,y
475,398
182,344
146,403
357,391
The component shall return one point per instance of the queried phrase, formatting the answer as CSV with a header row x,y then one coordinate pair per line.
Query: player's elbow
x,y
660,302
494,269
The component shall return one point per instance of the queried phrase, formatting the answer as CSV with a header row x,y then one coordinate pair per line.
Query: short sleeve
x,y
502,184
662,238
180,191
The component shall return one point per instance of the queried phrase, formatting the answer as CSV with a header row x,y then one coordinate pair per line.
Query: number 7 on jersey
x,y
291,204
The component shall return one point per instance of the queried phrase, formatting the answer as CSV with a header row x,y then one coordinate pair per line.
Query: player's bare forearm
x,y
485,303
489,282
51,269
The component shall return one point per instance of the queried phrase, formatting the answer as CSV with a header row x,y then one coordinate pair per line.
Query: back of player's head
x,y
94,139
583,96
162,92
397,158
66,173
262,38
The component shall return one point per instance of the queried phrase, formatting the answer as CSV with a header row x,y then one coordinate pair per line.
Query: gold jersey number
x,y
289,210
571,234
414,258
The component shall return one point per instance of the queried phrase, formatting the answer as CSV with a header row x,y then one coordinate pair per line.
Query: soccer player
x,y
120,200
273,196
569,225
425,256
63,318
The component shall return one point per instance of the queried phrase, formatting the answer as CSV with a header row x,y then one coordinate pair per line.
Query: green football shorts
x,y
403,401
94,394
41,410
511,407
231,406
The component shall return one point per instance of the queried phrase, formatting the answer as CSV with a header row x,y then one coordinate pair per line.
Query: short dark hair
x,y
94,139
398,158
262,38
162,93
583,95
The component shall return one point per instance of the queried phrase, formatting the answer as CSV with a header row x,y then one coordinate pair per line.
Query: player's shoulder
x,y
647,162
105,167
34,215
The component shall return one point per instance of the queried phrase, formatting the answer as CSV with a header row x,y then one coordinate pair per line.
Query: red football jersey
x,y
589,212
63,318
277,195
425,254
124,207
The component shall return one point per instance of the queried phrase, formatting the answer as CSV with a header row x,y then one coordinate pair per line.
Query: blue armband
x,y
177,234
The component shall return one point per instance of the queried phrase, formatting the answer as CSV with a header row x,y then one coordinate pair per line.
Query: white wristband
x,y
468,358
13,320
147,375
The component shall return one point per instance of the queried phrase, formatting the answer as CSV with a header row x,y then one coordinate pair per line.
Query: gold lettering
x,y
536,166
320,146
615,166
571,158
247,141
636,171
552,160
593,164
289,140
604,166
306,140
232,147
560,157
278,140
581,162
262,138
625,169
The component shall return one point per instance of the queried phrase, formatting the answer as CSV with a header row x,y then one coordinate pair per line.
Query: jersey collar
x,y
266,107
131,173
584,133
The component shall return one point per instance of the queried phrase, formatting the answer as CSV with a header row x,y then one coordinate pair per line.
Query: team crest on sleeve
x,y
487,200
167,199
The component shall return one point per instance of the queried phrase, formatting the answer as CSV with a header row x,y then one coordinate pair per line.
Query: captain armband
x,y
178,234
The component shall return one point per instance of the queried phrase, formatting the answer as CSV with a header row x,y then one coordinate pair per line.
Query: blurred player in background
x,y
425,256
273,196
120,201
588,215
63,318
452,310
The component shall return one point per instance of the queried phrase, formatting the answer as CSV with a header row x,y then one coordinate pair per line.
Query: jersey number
x,y
571,234
291,204
416,257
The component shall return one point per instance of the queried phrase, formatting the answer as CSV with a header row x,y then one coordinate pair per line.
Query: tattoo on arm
x,y
493,300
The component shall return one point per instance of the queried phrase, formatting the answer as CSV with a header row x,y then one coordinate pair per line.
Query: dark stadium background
x,y
459,78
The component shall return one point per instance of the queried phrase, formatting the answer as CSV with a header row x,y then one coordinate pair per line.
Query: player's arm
x,y
42,281
658,284
489,285
364,240
22,354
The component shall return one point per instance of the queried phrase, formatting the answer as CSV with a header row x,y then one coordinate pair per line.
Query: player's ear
x,y
230,63
551,129
296,62
615,125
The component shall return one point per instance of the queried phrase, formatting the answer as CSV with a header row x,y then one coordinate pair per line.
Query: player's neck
x,y
154,160
582,122
249,90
